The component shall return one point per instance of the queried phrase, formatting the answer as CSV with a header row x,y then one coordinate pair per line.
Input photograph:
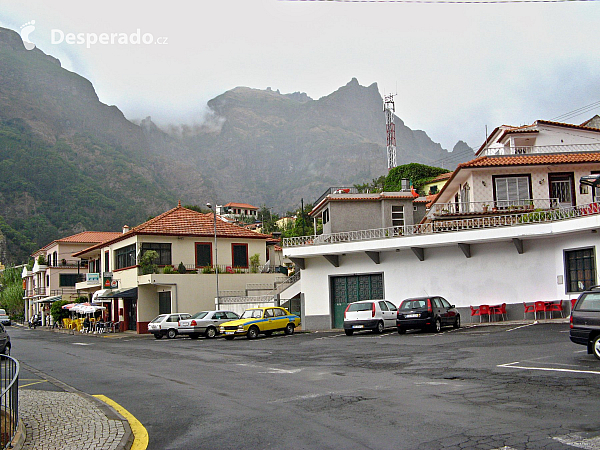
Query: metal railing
x,y
40,291
9,399
337,190
539,149
455,208
73,263
440,226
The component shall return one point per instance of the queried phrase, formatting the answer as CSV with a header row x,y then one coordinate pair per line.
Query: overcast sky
x,y
455,68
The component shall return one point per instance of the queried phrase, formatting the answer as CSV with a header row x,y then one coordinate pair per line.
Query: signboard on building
x,y
92,278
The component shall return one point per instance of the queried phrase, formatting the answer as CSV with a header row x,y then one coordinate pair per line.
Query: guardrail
x,y
540,149
440,226
9,399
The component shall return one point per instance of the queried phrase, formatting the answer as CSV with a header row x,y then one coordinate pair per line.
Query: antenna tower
x,y
390,127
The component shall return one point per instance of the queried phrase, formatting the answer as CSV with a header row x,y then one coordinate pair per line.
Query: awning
x,y
123,293
101,294
52,299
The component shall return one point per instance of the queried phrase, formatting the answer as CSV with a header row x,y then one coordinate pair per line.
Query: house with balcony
x,y
56,271
233,210
190,267
514,226
527,168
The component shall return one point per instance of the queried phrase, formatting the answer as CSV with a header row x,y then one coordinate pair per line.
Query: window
x,y
325,216
580,269
279,312
397,216
203,254
164,302
383,306
513,190
125,257
106,266
445,302
67,279
239,255
163,250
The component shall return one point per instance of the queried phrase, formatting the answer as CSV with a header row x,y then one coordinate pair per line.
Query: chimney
x,y
125,228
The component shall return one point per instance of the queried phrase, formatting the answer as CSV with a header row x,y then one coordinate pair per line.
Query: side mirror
x,y
452,306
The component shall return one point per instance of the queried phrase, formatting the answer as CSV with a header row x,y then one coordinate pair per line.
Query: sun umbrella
x,y
87,309
69,306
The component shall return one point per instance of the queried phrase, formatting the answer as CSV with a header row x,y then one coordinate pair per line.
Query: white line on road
x,y
329,337
575,440
81,343
546,369
522,326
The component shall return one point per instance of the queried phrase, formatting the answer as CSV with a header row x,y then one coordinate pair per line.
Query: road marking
x,y
546,369
575,440
522,326
31,384
140,434
81,343
270,369
329,337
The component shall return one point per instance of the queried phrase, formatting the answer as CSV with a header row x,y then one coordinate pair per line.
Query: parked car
x,y
4,341
585,321
264,320
205,323
166,325
375,315
4,319
426,313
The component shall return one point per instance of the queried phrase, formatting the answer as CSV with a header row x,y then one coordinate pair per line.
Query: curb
x,y
20,436
109,411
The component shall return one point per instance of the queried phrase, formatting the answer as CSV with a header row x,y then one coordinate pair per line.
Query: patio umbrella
x,y
87,309
69,306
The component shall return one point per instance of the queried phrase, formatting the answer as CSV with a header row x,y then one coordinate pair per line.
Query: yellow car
x,y
260,320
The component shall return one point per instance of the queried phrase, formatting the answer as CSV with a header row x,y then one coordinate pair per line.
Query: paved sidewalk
x,y
69,420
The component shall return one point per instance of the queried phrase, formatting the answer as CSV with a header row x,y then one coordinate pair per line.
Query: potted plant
x,y
485,207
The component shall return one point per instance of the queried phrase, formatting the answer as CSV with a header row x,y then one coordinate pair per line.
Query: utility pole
x,y
302,212
390,128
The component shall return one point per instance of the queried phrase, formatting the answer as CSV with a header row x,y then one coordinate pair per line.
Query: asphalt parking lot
x,y
490,387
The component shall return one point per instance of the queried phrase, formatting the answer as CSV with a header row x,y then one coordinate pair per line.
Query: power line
x,y
445,1
578,111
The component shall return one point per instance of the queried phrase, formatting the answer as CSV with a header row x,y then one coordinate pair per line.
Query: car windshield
x,y
412,304
360,307
200,315
159,318
590,302
252,314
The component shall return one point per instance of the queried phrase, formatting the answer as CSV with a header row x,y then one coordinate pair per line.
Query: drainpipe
x,y
153,283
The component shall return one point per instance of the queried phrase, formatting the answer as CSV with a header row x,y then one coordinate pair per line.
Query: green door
x,y
350,289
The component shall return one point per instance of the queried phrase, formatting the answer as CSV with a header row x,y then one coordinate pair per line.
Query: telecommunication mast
x,y
390,127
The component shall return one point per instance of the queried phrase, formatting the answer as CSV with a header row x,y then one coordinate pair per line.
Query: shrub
x,y
254,261
41,260
147,262
169,269
181,268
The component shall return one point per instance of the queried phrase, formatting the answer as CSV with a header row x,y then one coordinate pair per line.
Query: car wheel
x,y
457,322
194,335
379,328
210,332
6,350
252,333
349,332
157,336
172,333
437,326
229,338
596,346
289,329
401,330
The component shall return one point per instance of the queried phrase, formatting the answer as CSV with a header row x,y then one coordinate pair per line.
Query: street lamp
x,y
214,210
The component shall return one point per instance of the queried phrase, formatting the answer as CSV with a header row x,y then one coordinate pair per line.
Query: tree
x,y
11,292
147,262
197,208
303,225
418,174
268,219
376,185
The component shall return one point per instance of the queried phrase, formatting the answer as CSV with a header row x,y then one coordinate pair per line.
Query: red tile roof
x,y
529,160
239,205
351,198
441,177
181,221
85,237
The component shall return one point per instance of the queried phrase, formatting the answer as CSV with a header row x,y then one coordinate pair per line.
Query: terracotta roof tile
x,y
441,177
85,237
240,205
181,221
528,160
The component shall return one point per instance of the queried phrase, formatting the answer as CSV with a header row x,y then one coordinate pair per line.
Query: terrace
x,y
509,219
540,149
493,207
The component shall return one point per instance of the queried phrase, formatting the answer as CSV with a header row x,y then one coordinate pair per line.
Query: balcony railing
x,y
441,226
502,206
73,263
222,269
40,291
540,149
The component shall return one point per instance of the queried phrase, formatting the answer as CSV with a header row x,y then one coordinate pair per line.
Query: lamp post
x,y
214,210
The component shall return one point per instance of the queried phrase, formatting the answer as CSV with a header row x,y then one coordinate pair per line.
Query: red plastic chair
x,y
539,307
528,309
499,311
484,309
553,307
475,312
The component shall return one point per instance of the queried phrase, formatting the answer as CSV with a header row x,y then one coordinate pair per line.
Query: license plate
x,y
412,316
229,332
357,326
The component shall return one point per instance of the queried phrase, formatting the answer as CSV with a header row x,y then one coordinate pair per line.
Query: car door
x,y
171,322
389,319
449,311
394,311
270,322
219,317
438,310
281,318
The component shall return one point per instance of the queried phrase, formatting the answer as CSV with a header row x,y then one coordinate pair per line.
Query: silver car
x,y
167,325
205,323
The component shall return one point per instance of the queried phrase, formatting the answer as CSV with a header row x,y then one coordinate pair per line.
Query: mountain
x,y
69,162
275,148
